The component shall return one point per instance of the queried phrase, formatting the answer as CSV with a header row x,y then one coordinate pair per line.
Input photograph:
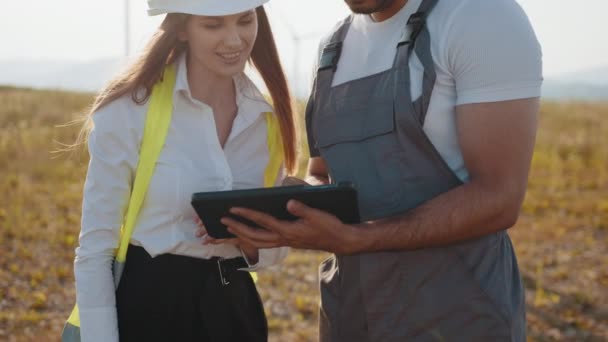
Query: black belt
x,y
224,267
227,266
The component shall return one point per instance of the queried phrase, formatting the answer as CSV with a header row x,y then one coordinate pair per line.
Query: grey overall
x,y
369,132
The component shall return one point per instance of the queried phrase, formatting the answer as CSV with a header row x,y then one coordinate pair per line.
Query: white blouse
x,y
192,160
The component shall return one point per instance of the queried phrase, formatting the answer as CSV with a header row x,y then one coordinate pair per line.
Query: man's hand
x,y
318,174
315,229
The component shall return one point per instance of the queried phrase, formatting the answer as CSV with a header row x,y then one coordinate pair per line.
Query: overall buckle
x,y
416,22
330,56
414,26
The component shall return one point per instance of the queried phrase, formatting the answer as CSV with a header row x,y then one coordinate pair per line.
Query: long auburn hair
x,y
164,48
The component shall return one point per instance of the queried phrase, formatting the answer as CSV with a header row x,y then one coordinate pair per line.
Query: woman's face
x,y
221,45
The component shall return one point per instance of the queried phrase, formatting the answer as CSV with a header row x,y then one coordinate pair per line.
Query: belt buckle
x,y
223,279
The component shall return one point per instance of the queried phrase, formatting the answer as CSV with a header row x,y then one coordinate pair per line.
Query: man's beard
x,y
362,6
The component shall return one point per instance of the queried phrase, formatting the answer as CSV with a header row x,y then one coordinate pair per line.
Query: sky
x,y
573,34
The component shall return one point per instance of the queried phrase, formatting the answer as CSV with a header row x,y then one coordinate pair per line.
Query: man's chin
x,y
361,6
362,10
367,6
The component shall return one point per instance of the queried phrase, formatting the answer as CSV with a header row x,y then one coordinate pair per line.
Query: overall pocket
x,y
359,145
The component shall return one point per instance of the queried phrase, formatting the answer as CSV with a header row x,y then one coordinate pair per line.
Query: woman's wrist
x,y
251,253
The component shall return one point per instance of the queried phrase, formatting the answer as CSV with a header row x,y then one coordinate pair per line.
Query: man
x,y
430,108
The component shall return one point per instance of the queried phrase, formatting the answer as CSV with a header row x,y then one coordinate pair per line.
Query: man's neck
x,y
389,11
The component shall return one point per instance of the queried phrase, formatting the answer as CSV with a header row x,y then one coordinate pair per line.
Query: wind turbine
x,y
297,39
127,28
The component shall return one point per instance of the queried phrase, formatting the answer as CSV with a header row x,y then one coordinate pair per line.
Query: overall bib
x,y
370,132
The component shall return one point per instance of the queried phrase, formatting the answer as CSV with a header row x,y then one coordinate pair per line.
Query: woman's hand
x,y
251,252
288,181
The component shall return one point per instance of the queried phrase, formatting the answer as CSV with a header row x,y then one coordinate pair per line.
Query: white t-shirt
x,y
484,51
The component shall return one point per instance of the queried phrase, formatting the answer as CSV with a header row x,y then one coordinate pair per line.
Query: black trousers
x,y
179,298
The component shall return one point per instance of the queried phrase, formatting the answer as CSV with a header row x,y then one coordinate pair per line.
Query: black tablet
x,y
338,199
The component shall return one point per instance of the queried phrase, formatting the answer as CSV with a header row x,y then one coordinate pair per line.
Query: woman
x,y
176,286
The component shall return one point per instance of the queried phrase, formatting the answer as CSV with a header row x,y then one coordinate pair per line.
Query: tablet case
x,y
338,199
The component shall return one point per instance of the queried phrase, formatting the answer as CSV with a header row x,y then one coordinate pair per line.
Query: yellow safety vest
x,y
157,123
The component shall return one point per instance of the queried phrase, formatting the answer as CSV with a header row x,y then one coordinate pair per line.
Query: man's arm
x,y
317,172
497,142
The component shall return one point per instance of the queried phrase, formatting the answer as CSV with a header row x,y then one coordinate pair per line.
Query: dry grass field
x,y
561,238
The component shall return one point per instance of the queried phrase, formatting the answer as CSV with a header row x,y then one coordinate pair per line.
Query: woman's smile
x,y
230,57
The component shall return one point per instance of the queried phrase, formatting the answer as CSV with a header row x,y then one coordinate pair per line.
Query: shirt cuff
x,y
99,324
267,257
517,92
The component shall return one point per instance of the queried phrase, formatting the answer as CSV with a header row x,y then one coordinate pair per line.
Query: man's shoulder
x,y
327,36
468,9
478,19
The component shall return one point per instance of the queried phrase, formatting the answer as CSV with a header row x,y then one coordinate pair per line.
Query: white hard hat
x,y
203,7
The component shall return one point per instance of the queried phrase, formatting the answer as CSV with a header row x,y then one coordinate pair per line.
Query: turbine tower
x,y
298,39
127,24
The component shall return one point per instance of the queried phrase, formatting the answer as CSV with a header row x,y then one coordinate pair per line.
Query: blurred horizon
x,y
41,49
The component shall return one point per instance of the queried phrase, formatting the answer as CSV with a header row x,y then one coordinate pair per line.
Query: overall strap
x,y
157,124
324,77
330,56
417,39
